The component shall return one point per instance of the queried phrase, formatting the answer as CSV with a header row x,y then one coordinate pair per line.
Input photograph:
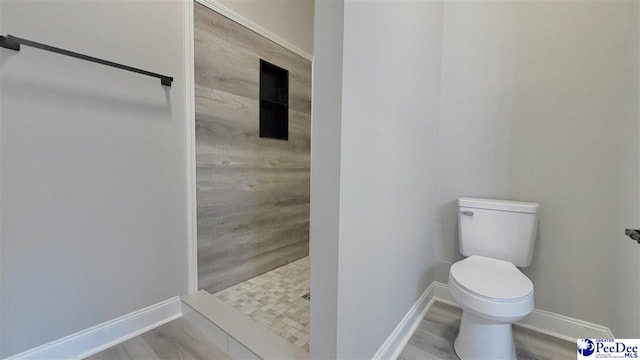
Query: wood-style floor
x,y
188,338
182,338
435,335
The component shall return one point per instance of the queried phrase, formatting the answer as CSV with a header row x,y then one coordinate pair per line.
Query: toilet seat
x,y
493,289
490,278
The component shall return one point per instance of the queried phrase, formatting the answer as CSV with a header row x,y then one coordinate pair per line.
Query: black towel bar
x,y
13,43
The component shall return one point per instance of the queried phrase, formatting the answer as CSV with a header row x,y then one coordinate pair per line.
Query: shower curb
x,y
245,338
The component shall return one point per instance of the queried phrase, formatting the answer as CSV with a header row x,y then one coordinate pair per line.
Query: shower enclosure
x,y
253,122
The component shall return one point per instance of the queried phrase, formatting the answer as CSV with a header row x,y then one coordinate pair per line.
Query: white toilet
x,y
497,236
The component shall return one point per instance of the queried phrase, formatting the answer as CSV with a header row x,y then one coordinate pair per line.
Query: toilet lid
x,y
492,278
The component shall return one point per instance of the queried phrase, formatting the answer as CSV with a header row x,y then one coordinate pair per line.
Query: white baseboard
x,y
542,321
564,327
545,322
394,344
97,338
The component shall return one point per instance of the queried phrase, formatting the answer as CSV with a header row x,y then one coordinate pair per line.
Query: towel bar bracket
x,y
8,43
634,234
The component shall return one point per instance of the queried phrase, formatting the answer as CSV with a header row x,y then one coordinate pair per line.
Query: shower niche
x,y
274,101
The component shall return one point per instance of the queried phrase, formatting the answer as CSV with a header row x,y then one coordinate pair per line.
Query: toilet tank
x,y
499,229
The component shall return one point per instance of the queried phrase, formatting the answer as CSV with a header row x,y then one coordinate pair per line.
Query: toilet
x,y
497,237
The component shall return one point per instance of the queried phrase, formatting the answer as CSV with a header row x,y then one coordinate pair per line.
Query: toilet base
x,y
481,339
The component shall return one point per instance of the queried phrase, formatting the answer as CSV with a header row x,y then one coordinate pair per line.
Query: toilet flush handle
x,y
466,212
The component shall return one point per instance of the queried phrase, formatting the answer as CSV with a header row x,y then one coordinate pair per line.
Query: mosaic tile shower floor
x,y
274,299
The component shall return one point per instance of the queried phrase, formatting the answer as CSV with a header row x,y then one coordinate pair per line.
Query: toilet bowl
x,y
493,294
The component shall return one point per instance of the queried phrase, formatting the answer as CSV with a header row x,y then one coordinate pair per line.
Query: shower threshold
x,y
244,338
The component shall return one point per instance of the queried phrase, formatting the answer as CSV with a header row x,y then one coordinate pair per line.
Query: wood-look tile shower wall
x,y
253,193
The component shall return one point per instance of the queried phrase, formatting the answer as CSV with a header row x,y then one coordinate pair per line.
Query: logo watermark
x,y
608,348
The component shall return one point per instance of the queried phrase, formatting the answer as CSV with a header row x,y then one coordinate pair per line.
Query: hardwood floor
x,y
182,338
435,335
191,337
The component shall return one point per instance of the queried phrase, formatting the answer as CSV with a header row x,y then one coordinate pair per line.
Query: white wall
x,y
292,20
387,158
92,167
529,100
539,102
325,177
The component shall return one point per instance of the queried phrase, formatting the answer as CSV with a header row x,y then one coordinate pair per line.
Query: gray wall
x,y
325,177
539,102
92,167
387,119
291,20
253,192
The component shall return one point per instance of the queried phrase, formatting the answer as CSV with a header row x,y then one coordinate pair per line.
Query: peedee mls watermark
x,y
608,348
